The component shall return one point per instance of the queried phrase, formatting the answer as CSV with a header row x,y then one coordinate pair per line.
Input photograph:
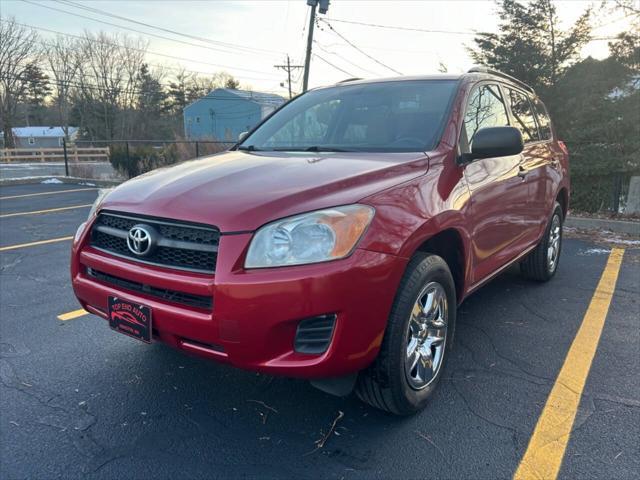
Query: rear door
x,y
536,159
498,193
552,171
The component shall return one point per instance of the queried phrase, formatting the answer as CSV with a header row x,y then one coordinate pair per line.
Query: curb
x,y
72,180
616,226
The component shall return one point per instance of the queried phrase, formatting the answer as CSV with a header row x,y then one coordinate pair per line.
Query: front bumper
x,y
255,313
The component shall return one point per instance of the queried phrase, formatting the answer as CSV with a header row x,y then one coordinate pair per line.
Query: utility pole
x,y
288,68
324,6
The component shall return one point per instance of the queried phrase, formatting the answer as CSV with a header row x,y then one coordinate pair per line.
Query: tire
x,y
390,385
538,265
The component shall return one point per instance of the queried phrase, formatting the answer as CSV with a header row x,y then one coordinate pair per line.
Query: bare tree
x,y
19,52
132,57
108,83
63,59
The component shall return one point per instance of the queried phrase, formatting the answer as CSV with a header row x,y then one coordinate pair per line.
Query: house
x,y
224,113
40,137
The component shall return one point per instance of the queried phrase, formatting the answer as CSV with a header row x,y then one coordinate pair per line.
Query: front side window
x,y
544,122
398,116
523,115
485,108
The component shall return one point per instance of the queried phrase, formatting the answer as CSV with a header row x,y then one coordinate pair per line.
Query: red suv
x,y
336,240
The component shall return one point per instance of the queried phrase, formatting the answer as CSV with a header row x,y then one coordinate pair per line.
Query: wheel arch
x,y
448,245
563,199
446,237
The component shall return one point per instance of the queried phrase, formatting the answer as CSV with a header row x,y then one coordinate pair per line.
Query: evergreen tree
x,y
529,45
151,106
37,89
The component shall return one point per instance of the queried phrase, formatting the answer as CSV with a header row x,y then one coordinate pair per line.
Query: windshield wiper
x,y
248,148
312,148
317,148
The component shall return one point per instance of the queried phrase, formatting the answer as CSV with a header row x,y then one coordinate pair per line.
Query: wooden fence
x,y
72,154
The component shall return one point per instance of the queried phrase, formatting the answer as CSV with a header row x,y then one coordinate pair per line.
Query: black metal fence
x,y
601,193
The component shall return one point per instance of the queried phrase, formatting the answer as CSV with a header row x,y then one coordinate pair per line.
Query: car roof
x,y
471,76
406,78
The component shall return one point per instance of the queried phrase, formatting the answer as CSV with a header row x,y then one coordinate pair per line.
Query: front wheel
x,y
417,339
542,263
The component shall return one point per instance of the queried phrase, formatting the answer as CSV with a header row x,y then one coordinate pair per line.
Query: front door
x,y
497,186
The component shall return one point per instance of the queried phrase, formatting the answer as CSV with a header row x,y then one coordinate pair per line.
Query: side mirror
x,y
495,142
242,136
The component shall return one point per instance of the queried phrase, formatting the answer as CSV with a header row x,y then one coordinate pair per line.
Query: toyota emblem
x,y
140,240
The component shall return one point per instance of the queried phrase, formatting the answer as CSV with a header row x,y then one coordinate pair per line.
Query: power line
x,y
125,88
160,66
445,32
162,29
133,29
332,65
395,27
128,90
139,49
321,47
359,49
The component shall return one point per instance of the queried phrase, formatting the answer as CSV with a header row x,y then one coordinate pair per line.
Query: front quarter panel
x,y
409,214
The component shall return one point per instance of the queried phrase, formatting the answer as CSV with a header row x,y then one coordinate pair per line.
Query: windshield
x,y
397,116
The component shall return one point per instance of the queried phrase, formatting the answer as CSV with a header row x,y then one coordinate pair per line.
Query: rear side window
x,y
523,115
485,108
544,122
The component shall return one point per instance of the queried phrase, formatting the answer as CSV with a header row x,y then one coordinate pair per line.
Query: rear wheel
x,y
418,337
542,263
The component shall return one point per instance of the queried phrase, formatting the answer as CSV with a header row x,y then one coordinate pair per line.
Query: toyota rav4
x,y
335,241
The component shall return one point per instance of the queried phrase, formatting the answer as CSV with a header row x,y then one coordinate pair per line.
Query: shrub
x,y
139,159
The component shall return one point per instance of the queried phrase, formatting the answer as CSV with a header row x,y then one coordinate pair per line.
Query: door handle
x,y
522,172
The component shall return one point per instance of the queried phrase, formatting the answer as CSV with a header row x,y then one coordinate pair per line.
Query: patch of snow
x,y
624,241
87,184
52,180
595,251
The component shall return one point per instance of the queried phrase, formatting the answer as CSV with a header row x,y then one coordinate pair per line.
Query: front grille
x,y
313,335
181,246
188,299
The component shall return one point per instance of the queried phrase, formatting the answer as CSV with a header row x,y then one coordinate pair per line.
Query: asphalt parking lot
x,y
78,400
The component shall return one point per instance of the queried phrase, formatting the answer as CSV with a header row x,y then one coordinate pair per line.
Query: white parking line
x,y
47,193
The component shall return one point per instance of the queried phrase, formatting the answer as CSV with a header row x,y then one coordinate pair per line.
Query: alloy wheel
x,y
553,248
426,336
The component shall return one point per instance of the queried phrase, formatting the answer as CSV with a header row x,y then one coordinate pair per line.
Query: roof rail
x,y
498,73
352,79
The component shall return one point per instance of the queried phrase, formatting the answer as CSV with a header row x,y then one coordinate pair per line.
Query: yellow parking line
x,y
71,315
55,192
38,212
33,244
547,446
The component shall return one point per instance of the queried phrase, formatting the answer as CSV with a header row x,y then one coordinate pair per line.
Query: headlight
x,y
309,238
103,192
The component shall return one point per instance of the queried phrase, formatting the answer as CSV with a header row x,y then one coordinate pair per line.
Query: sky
x,y
247,38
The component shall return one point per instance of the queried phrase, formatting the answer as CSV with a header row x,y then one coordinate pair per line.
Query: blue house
x,y
223,113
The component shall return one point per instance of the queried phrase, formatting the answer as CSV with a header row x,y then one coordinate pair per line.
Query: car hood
x,y
240,191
